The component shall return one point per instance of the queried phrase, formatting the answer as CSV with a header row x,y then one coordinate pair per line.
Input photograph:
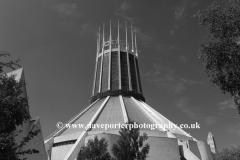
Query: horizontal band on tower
x,y
118,92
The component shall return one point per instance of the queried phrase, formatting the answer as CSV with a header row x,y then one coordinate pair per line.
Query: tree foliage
x,y
11,104
221,54
230,153
128,147
130,144
13,113
9,64
94,150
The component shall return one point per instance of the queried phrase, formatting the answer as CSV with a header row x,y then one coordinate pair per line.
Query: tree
x,y
94,150
13,113
130,144
221,54
230,153
9,64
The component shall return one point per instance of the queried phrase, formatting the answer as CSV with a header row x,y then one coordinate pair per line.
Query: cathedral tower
x,y
117,71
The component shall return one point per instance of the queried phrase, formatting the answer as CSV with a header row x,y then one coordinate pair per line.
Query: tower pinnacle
x,y
136,46
211,142
132,38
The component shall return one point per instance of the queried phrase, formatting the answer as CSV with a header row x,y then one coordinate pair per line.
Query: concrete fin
x,y
18,73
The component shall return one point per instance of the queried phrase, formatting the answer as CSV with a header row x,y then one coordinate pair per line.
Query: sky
x,y
56,41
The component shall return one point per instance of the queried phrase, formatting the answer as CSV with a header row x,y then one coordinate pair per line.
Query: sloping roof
x,y
19,76
18,73
85,118
111,114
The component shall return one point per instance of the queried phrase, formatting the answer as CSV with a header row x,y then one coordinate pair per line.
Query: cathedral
x,y
117,97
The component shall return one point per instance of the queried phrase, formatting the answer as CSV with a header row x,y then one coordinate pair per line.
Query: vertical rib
x,y
132,38
100,78
110,55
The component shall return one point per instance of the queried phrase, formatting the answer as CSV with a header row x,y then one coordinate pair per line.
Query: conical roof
x,y
117,110
111,111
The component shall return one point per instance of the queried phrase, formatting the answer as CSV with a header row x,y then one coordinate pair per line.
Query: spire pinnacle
x,y
103,42
118,35
126,35
132,38
136,45
98,41
110,36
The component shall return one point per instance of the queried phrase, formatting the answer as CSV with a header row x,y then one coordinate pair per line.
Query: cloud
x,y
195,3
166,47
145,37
179,15
162,76
183,58
167,81
194,112
86,29
187,81
124,6
67,9
234,129
183,105
122,12
210,120
165,77
175,27
227,104
179,10
172,31
178,88
82,29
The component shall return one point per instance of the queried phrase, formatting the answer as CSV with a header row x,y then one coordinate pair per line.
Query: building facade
x,y
33,124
